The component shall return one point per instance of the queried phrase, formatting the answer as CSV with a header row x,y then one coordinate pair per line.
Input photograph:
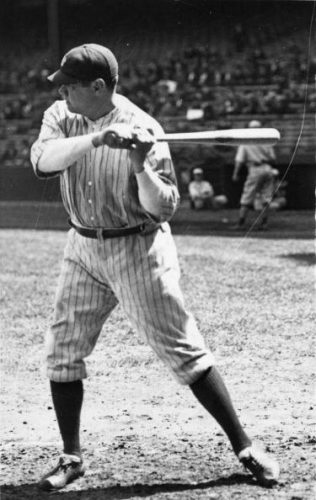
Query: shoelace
x,y
255,462
64,465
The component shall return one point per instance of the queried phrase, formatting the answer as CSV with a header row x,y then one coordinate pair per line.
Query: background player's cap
x,y
86,63
198,170
254,124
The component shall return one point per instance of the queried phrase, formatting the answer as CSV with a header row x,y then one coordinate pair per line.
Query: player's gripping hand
x,y
117,136
123,136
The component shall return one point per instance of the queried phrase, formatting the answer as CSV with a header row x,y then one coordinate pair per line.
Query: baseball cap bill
x,y
86,63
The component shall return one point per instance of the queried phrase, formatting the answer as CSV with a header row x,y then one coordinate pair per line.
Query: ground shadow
x,y
118,492
308,258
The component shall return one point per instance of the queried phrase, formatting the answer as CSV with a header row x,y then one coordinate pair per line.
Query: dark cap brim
x,y
59,78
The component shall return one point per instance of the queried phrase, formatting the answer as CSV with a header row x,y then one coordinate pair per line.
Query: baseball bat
x,y
231,137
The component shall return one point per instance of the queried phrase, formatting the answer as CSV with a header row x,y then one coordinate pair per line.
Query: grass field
x,y
143,435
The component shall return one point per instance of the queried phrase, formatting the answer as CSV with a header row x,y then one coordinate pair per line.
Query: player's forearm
x,y
237,168
157,198
59,154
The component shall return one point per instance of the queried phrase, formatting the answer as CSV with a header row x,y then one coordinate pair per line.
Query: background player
x,y
119,189
202,194
260,178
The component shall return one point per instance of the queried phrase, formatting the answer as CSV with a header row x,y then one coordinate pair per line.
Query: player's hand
x,y
117,136
142,142
123,136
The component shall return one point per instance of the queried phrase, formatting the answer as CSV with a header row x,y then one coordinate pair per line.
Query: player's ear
x,y
98,85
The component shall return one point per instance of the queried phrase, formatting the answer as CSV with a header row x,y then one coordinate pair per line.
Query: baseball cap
x,y
86,63
198,170
254,124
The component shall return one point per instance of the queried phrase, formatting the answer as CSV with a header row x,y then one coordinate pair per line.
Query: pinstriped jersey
x,y
100,189
255,154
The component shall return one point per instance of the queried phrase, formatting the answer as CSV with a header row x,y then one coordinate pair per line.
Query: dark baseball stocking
x,y
212,393
67,398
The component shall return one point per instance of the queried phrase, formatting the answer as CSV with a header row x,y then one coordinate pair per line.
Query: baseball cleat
x,y
69,468
263,466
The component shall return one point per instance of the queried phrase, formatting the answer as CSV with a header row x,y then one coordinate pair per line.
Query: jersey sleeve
x,y
159,161
241,155
51,128
272,154
207,188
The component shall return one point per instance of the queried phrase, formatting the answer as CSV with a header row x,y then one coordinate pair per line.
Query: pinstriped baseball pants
x,y
142,273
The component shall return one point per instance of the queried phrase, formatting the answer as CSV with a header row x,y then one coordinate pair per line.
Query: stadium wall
x,y
20,184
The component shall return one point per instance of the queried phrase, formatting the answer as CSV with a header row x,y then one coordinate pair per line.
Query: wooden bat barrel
x,y
230,137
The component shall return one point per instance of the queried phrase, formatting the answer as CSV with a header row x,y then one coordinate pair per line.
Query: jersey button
x,y
92,218
89,183
90,202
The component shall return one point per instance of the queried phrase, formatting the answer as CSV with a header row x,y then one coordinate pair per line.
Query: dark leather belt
x,y
107,233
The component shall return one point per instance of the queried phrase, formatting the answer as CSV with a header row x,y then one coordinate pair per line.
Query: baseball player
x,y
119,188
260,178
202,194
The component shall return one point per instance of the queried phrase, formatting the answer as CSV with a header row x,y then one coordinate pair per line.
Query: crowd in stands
x,y
205,79
16,153
199,82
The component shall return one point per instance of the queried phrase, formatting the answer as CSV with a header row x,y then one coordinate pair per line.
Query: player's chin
x,y
70,106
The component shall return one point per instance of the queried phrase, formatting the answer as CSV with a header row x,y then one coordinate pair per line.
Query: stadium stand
x,y
220,76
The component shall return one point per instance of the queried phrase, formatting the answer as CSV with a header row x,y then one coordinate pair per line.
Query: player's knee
x,y
188,375
189,368
198,203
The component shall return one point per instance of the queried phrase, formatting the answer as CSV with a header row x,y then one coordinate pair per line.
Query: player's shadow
x,y
118,492
307,258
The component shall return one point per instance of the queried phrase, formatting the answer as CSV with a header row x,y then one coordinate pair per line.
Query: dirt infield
x,y
143,435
